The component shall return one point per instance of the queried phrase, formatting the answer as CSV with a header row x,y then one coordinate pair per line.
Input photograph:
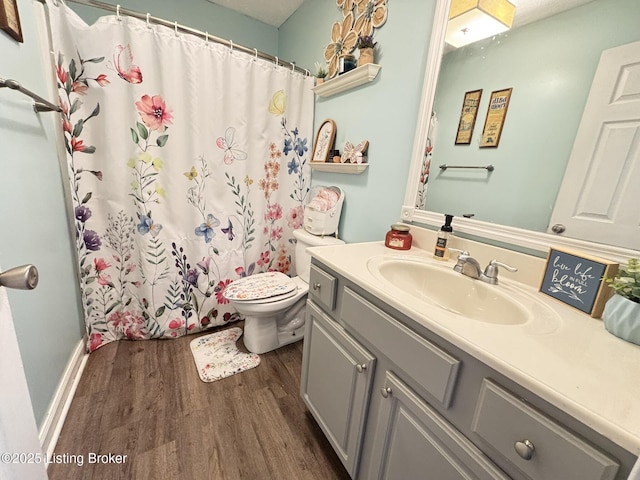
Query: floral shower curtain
x,y
188,169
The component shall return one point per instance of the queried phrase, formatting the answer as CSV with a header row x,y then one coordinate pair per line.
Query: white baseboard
x,y
59,406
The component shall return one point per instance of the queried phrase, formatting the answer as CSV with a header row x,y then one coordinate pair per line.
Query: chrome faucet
x,y
469,266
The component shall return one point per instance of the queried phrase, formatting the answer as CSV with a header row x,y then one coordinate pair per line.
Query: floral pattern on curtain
x,y
188,169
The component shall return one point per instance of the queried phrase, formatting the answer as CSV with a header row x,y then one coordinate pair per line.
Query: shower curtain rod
x,y
178,27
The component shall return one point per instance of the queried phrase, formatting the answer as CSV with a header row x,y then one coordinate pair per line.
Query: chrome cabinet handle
x,y
525,449
385,391
316,286
23,278
361,367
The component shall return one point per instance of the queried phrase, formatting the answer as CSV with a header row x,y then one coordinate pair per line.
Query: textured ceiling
x,y
276,12
271,12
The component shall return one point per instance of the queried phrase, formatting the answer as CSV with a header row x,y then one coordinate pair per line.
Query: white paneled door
x,y
599,199
20,452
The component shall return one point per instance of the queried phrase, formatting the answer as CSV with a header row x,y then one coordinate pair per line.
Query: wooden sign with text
x,y
468,117
578,280
496,113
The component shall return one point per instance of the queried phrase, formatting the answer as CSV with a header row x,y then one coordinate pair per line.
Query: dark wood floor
x,y
145,400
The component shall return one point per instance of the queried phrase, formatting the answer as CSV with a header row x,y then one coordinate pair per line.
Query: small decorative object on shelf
x,y
621,314
346,63
334,156
355,154
321,73
365,45
324,141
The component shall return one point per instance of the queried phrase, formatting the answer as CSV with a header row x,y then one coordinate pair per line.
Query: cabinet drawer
x,y
434,369
322,288
502,420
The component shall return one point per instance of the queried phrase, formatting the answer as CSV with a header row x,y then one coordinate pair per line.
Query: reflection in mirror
x,y
550,65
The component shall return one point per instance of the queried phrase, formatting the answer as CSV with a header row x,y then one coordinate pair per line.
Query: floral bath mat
x,y
217,356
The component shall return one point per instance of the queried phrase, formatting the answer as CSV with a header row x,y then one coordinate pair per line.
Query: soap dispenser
x,y
441,251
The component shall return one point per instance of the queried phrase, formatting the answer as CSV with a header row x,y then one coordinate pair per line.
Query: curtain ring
x,y
175,27
231,46
255,50
206,37
276,61
293,67
118,13
307,72
148,24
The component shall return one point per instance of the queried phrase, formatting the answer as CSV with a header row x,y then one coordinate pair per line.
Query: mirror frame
x,y
517,237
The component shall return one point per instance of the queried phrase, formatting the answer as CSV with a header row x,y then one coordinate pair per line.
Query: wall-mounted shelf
x,y
353,168
356,77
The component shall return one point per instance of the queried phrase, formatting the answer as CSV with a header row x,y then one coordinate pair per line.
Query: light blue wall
x,y
201,15
34,227
550,65
383,112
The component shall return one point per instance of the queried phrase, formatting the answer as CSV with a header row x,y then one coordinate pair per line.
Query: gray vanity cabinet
x,y
413,441
335,384
398,402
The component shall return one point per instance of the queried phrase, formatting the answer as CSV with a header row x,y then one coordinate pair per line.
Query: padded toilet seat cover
x,y
260,286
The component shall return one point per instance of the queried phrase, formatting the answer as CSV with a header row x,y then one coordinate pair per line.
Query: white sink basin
x,y
450,290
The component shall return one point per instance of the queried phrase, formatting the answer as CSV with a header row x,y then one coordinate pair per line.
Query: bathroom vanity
x,y
404,388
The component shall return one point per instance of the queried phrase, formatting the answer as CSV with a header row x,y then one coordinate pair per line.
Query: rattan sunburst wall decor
x,y
360,18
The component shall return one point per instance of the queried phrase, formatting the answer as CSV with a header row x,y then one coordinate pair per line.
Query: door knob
x,y
558,228
23,278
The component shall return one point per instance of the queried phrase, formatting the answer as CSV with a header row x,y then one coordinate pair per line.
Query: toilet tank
x,y
305,239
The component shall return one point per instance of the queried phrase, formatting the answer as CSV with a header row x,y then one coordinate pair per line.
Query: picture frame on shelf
x,y
10,19
324,141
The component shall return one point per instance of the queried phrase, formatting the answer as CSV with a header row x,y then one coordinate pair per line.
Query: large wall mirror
x,y
549,59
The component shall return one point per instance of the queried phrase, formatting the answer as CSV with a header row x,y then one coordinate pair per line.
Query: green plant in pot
x,y
321,72
621,314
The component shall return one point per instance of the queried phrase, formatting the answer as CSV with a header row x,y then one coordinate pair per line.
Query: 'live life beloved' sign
x,y
578,280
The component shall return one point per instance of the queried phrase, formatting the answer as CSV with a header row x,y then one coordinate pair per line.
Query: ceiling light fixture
x,y
473,20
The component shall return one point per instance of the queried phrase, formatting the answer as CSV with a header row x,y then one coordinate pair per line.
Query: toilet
x,y
273,303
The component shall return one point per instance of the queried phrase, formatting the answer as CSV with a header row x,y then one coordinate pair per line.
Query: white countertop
x,y
574,364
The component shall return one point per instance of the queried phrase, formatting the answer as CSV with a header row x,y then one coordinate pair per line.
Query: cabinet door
x,y
413,441
336,383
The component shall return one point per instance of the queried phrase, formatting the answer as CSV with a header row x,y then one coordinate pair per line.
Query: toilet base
x,y
266,333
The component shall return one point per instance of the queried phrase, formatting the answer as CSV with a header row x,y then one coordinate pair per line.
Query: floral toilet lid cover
x,y
259,286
